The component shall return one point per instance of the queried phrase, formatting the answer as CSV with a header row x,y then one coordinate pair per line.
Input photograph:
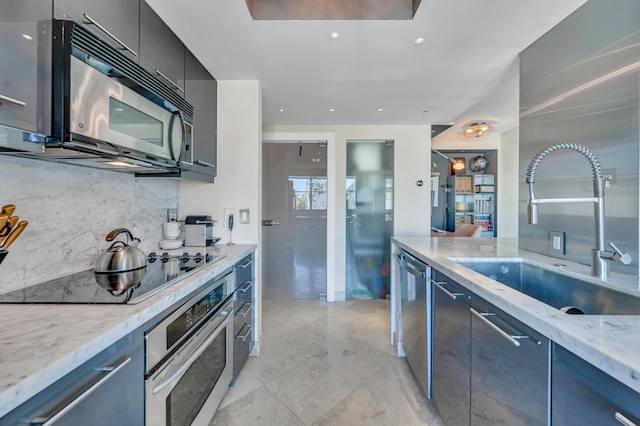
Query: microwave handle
x,y
184,137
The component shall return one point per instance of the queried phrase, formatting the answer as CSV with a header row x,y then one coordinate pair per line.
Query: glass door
x,y
369,216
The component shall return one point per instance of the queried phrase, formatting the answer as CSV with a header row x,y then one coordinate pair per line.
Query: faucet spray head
x,y
532,213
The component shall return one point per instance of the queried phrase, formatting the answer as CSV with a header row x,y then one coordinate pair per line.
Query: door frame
x,y
294,137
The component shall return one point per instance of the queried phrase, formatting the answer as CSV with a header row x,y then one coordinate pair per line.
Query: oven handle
x,y
178,370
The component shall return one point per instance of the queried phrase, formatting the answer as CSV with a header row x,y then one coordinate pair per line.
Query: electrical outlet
x,y
557,242
244,217
227,213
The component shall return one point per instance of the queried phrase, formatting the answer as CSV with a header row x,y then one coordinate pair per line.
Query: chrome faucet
x,y
599,256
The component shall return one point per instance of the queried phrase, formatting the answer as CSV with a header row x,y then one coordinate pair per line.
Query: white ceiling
x,y
469,54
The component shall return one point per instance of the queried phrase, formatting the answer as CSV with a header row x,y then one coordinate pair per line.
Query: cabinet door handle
x,y
12,100
246,334
511,338
61,411
622,419
204,163
175,86
114,38
440,284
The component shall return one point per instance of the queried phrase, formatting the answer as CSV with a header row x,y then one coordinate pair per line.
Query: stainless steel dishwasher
x,y
415,330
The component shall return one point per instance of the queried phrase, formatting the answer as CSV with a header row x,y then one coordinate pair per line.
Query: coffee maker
x,y
198,231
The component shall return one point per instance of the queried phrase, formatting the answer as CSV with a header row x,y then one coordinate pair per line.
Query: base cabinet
x,y
509,369
107,390
242,313
585,395
451,349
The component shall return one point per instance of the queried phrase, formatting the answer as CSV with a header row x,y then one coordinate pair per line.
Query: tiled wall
x,y
70,210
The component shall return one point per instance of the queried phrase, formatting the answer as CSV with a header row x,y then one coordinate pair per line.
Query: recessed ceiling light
x,y
27,36
281,110
426,111
335,35
380,109
419,40
331,109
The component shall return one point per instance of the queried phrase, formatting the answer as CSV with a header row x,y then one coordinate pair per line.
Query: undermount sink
x,y
558,290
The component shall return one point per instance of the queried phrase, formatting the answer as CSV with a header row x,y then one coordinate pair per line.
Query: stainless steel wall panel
x,y
580,83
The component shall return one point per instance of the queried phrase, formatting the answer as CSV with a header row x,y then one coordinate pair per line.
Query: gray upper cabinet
x,y
117,21
161,51
25,65
201,91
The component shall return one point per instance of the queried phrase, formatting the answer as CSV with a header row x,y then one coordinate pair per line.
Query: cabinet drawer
x,y
464,219
106,390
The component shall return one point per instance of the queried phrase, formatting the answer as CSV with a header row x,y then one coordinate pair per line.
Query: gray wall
x,y
599,39
70,210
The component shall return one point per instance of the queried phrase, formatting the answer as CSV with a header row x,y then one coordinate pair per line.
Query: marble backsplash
x,y
70,210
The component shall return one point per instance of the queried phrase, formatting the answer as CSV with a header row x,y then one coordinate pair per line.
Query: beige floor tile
x,y
260,407
356,359
245,384
325,363
311,390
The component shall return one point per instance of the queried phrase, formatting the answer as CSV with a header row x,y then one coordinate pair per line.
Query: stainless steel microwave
x,y
110,111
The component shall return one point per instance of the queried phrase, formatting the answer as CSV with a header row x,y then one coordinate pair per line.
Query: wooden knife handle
x,y
14,234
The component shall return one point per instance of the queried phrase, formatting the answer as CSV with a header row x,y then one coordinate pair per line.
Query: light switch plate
x,y
244,218
557,242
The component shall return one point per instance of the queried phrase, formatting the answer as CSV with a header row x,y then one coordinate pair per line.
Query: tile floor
x,y
326,364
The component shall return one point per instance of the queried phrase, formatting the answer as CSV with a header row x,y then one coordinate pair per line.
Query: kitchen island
x,y
609,342
40,344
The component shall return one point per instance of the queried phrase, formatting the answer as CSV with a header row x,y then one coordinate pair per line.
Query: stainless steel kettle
x,y
121,256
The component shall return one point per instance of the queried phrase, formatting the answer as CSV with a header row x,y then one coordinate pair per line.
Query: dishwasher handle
x,y
411,267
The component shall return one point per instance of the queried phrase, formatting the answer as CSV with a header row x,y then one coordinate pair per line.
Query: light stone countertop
x,y
39,344
609,342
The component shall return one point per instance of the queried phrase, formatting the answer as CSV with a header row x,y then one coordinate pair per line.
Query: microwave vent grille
x,y
85,40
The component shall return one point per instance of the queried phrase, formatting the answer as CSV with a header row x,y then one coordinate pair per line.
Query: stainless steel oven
x,y
189,359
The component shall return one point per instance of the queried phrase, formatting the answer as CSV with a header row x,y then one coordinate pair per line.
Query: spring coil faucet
x,y
599,256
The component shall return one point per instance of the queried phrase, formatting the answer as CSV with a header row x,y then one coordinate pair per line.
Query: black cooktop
x,y
85,287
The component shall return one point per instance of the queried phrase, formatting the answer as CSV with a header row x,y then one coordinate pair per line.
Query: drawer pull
x,y
246,334
245,264
12,100
440,284
622,419
114,38
109,372
482,316
246,286
247,308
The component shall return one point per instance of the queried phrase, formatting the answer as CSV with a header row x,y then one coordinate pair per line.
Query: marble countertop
x,y
609,342
41,343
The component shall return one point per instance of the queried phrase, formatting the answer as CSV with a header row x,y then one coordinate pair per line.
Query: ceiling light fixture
x,y
458,164
418,41
331,109
27,37
281,110
335,35
477,130
380,109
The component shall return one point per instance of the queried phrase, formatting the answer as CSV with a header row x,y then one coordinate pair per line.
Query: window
x,y
310,192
